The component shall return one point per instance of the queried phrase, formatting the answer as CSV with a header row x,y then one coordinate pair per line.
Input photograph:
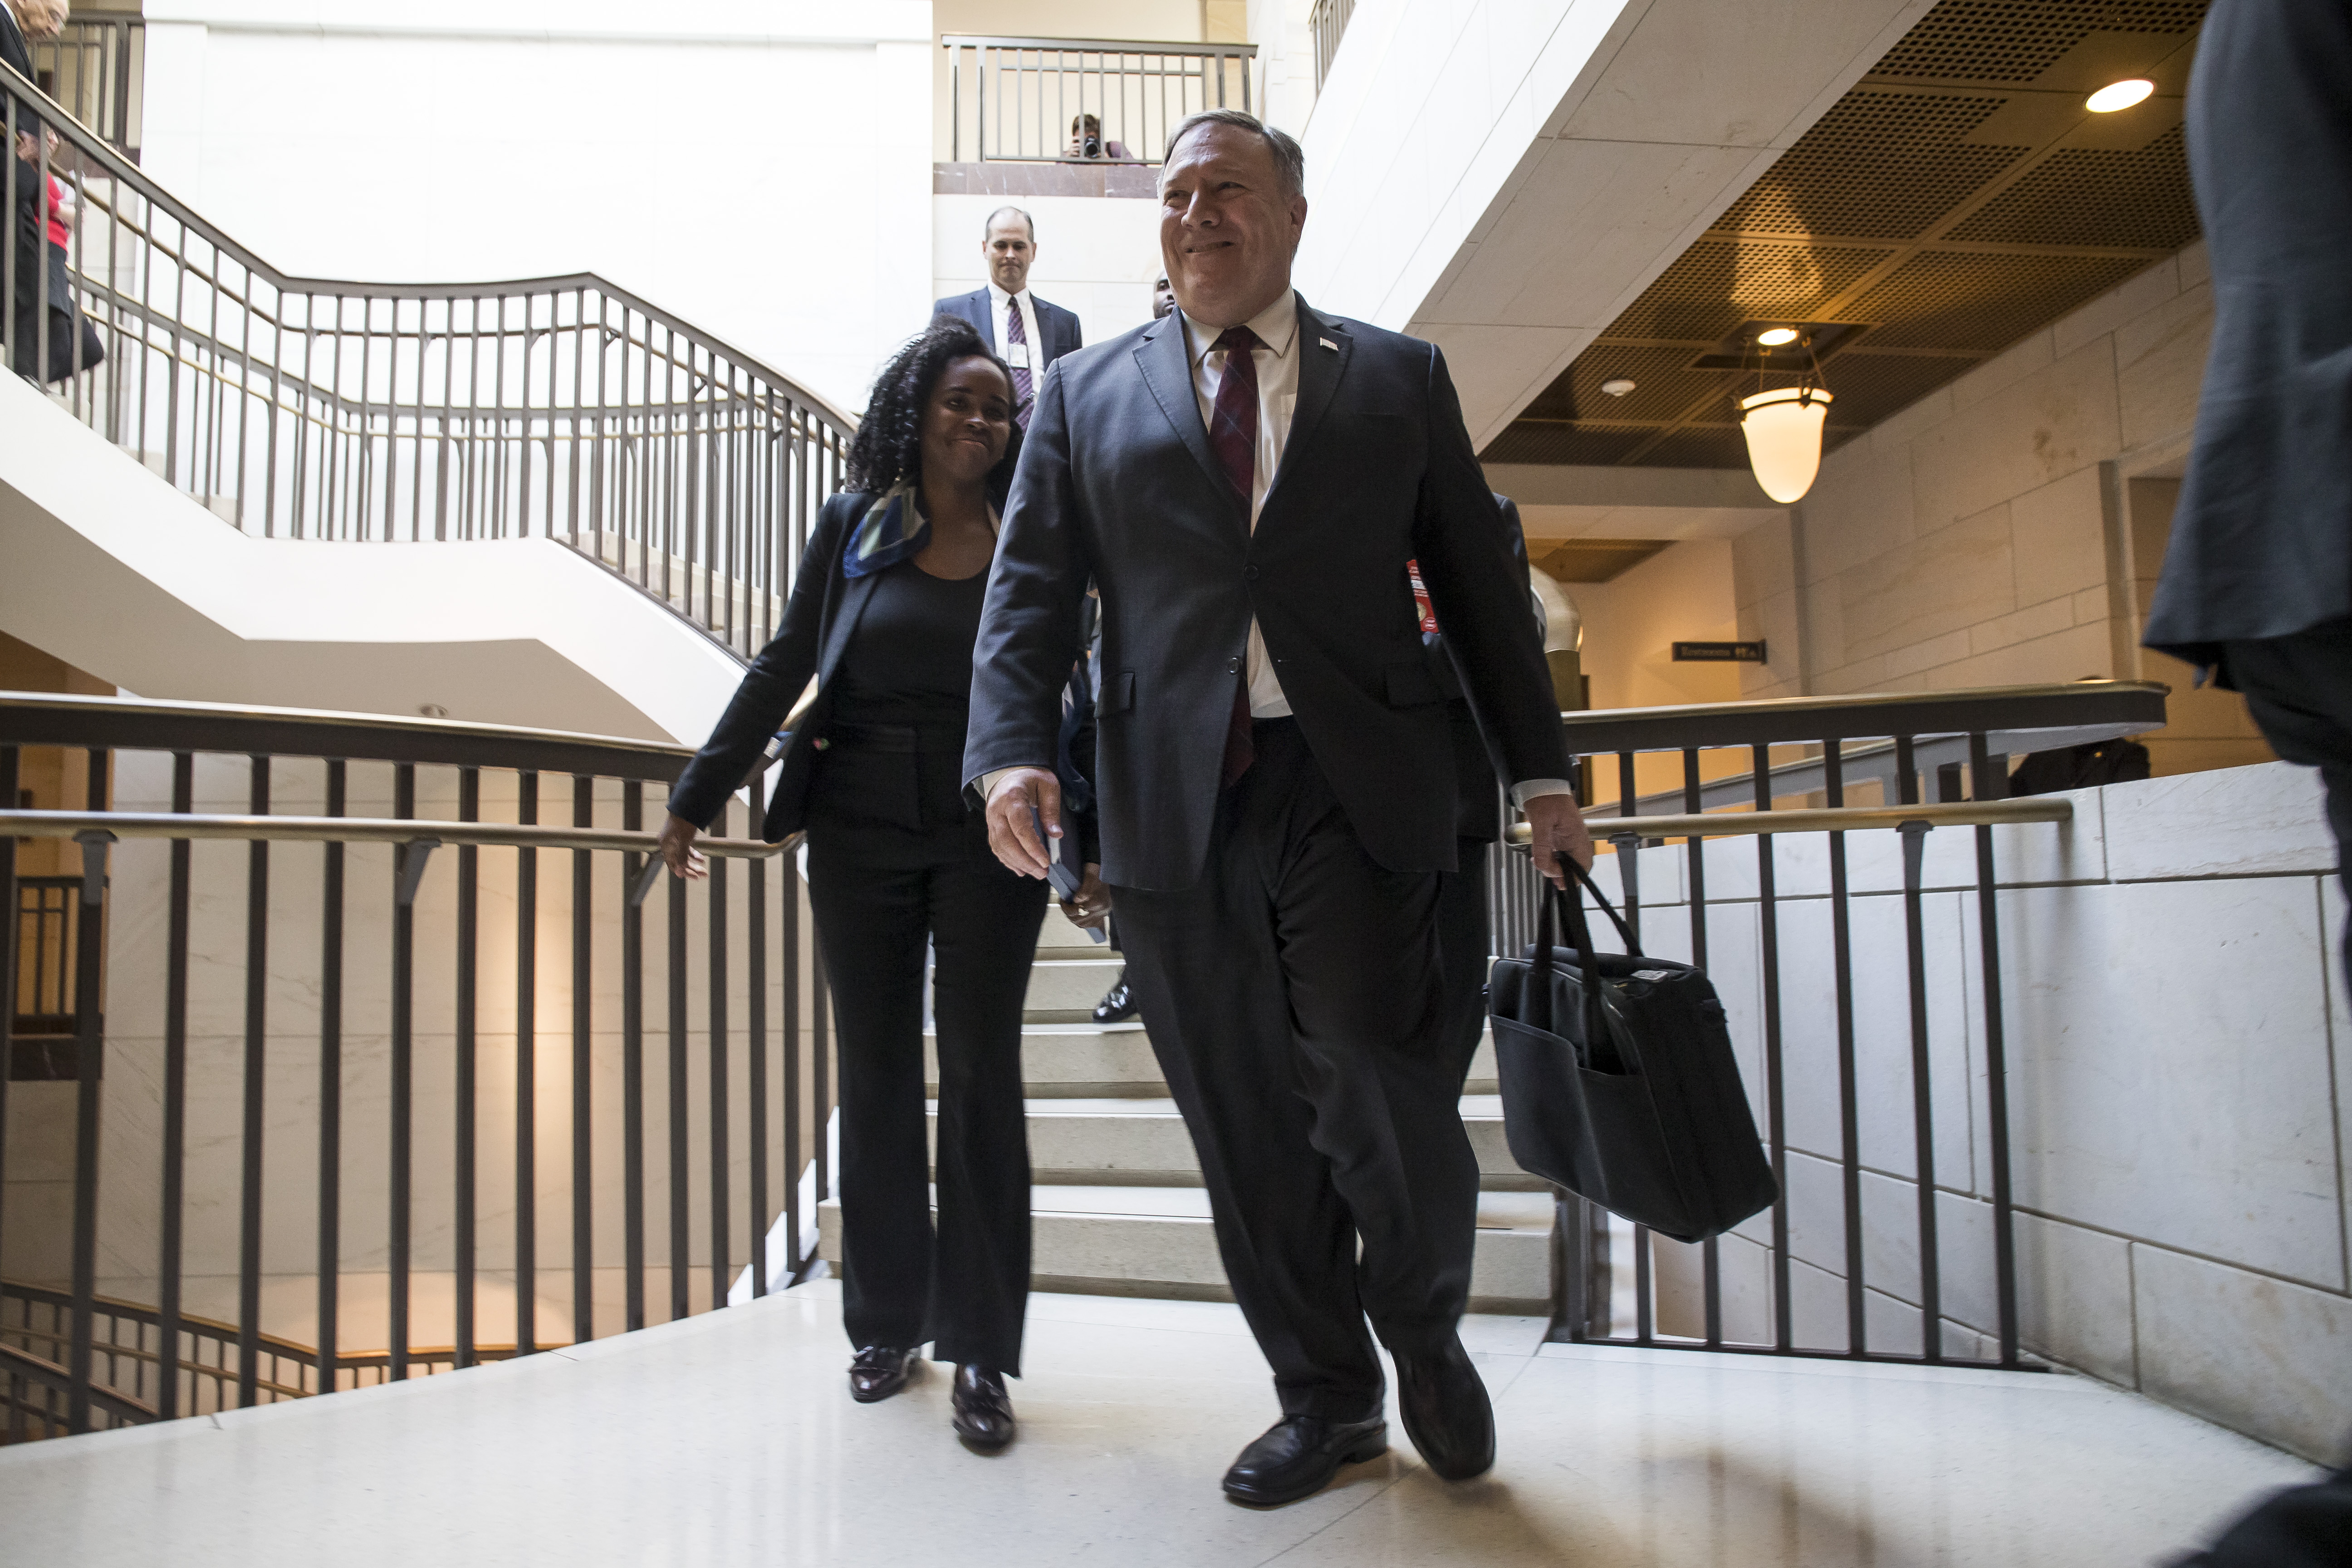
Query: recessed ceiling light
x,y
2119,95
1773,337
1617,387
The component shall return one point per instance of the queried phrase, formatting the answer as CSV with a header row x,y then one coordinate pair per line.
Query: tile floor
x,y
727,1439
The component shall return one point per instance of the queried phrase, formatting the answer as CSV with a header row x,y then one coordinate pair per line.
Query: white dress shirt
x,y
999,306
1277,358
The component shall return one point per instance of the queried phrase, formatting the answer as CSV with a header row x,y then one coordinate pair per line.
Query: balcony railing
x,y
95,69
1328,23
1028,99
1809,889
562,409
369,1087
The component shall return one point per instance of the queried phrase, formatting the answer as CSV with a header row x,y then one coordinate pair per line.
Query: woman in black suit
x,y
883,614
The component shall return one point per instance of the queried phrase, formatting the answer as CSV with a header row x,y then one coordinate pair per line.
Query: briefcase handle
x,y
1570,913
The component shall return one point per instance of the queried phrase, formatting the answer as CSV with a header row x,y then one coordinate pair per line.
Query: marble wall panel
x,y
2074,1298
1882,1032
2160,367
2058,541
2042,427
2255,1354
2170,1076
1948,578
2232,822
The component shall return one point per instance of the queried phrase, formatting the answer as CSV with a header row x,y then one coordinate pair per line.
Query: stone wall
x,y
2005,529
2180,1092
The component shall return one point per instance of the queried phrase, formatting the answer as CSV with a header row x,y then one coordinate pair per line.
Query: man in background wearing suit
x,y
1245,480
1027,333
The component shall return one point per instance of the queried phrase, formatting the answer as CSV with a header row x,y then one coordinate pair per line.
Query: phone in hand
x,y
1065,880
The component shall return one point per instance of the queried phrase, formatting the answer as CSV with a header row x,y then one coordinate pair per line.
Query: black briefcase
x,y
1619,1082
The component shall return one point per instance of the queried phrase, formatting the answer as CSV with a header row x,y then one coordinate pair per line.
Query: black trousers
x,y
1463,949
880,890
1293,1000
2299,691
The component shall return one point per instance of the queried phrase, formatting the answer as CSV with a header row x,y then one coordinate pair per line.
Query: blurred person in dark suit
x,y
882,615
2257,581
1245,480
1163,298
1024,331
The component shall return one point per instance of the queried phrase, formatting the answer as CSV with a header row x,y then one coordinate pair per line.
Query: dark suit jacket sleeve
x,y
1029,628
772,684
1480,593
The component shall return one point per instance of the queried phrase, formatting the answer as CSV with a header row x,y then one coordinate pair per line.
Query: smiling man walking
x,y
1274,782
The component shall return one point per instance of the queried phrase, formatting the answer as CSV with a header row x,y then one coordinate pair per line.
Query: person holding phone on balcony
x,y
1245,481
883,617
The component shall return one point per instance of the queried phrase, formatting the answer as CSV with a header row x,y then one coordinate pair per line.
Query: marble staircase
x,y
1119,1206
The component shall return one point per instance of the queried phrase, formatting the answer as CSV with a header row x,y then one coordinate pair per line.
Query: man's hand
x,y
677,850
1010,833
1091,907
1556,828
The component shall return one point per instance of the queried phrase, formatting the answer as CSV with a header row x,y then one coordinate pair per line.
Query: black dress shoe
x,y
878,1372
1446,1413
1298,1456
983,1411
1118,1005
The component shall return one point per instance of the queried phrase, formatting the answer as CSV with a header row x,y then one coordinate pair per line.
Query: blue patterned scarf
x,y
893,529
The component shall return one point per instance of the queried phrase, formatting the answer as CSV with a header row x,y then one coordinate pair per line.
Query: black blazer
x,y
819,617
1058,327
2261,537
16,54
1377,470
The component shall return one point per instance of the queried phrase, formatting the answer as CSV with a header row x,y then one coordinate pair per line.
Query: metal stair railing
x,y
564,408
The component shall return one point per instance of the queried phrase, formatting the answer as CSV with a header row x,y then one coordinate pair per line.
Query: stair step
x,y
1157,1241
1084,1060
1064,990
1074,1060
1138,1141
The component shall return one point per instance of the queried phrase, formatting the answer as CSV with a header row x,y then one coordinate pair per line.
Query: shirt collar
x,y
997,296
1277,326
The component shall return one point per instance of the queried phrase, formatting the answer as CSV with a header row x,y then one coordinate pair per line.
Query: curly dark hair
x,y
888,446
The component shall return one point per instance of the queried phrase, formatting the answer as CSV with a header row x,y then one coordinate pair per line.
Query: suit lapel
x,y
1320,371
1167,369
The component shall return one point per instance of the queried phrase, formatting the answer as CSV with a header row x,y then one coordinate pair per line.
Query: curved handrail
x,y
1814,819
89,144
562,407
57,719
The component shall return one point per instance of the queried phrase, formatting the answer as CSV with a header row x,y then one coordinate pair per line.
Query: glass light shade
x,y
2119,95
1784,439
1563,628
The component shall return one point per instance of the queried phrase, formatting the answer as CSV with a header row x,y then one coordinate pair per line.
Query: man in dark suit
x,y
1028,333
2257,582
1275,781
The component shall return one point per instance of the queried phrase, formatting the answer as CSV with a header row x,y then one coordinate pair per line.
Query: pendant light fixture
x,y
1783,426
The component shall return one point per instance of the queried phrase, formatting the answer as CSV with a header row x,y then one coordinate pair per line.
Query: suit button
x,y
1250,572
1232,667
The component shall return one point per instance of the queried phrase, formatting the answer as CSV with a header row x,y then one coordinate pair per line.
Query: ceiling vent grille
x,y
1879,165
2017,40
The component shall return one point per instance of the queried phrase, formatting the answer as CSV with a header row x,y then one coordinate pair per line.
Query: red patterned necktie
x,y
1233,435
1016,331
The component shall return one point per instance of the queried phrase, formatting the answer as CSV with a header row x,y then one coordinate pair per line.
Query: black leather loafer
x,y
983,1411
1446,1413
1298,1456
878,1372
1118,1005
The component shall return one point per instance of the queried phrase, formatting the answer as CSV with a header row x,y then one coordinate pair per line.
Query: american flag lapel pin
x,y
1327,344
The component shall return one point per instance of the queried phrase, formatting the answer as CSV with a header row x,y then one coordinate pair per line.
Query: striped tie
x,y
1016,331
